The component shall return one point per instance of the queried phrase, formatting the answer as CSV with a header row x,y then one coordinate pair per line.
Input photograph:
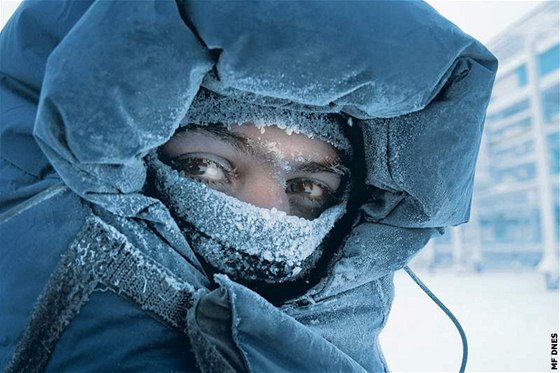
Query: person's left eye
x,y
308,197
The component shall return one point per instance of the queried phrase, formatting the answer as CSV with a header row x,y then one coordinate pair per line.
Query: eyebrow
x,y
242,144
222,133
333,167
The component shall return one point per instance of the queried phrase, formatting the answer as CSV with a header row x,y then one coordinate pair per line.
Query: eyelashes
x,y
313,190
209,169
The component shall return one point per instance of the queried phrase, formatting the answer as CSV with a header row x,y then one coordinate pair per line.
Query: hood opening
x,y
279,293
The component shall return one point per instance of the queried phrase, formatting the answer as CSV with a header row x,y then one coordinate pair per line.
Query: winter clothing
x,y
209,108
242,240
95,275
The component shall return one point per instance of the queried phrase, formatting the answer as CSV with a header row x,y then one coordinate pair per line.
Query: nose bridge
x,y
265,191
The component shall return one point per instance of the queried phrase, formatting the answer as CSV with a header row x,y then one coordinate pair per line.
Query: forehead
x,y
289,146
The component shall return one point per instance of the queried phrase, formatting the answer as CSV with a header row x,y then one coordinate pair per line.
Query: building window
x,y
503,154
549,60
553,141
512,225
557,212
521,73
516,108
520,127
510,82
551,103
523,172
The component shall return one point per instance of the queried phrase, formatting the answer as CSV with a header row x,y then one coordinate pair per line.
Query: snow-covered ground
x,y
508,319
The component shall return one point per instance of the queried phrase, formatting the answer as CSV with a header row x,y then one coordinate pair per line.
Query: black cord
x,y
447,312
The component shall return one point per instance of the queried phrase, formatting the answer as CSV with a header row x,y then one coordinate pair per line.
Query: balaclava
x,y
249,243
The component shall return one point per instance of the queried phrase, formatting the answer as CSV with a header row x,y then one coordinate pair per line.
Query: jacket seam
x,y
19,168
38,198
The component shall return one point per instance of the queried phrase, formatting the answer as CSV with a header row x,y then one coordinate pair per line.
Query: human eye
x,y
308,197
210,169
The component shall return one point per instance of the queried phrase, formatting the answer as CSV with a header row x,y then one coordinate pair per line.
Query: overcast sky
x,y
484,19
481,19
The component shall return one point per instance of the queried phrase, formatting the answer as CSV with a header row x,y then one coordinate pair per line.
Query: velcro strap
x,y
99,258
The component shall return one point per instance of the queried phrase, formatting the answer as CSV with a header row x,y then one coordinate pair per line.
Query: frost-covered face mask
x,y
241,240
255,200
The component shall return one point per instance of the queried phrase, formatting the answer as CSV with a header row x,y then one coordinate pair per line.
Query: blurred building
x,y
515,217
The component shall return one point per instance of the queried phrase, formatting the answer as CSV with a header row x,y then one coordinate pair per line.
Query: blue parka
x,y
96,276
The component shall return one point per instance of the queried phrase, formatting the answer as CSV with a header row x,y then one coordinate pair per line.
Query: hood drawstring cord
x,y
447,312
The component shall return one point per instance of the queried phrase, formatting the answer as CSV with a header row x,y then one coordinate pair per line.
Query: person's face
x,y
267,168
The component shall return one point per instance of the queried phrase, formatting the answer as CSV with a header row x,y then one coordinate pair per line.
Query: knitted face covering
x,y
234,237
241,240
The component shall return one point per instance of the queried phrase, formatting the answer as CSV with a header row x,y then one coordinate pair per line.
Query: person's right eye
x,y
207,168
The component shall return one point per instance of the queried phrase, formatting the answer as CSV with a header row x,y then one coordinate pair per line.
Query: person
x,y
290,183
225,186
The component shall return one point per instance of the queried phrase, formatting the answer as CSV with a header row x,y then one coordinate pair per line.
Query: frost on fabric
x,y
210,108
240,239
